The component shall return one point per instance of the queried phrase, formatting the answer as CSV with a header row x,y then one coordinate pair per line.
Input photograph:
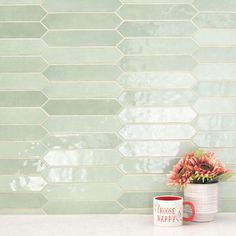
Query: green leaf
x,y
198,153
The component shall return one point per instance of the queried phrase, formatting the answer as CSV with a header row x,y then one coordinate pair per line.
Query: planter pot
x,y
205,199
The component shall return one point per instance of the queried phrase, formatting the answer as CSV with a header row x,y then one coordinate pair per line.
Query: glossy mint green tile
x,y
215,20
139,211
82,38
216,55
215,139
156,12
82,73
226,155
215,105
12,150
81,5
22,64
21,132
21,99
88,140
227,205
82,55
146,165
83,90
215,72
155,132
31,166
18,2
216,122
81,174
83,192
157,114
21,13
158,98
226,188
158,46
156,28
216,37
154,148
22,212
21,47
157,63
76,207
223,88
21,81
157,1
21,30
82,107
158,80
21,183
10,166
24,116
73,124
81,21
21,200
216,5
77,157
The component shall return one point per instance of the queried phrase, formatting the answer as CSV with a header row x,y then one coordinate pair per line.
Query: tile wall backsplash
x,y
98,98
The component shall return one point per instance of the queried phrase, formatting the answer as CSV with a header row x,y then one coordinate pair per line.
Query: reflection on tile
x,y
75,124
152,132
158,80
81,174
75,207
216,5
82,73
156,28
157,114
83,192
92,140
77,157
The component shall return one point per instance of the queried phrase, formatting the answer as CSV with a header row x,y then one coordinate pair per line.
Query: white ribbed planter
x,y
205,199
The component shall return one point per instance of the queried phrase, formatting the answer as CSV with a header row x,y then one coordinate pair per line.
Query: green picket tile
x,y
18,2
73,124
76,207
82,73
82,107
81,6
21,30
78,157
10,166
158,46
82,55
156,12
87,140
21,13
22,64
81,174
21,99
82,90
21,81
82,38
157,1
227,205
81,21
226,189
12,150
21,200
225,155
21,212
216,5
21,183
215,20
82,192
157,28
31,166
21,132
24,116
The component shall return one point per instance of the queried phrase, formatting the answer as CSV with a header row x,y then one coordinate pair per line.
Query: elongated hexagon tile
x,y
83,192
77,157
84,123
228,187
6,2
81,6
156,12
82,107
87,140
152,132
82,72
81,174
157,114
157,1
226,155
156,28
21,99
216,5
81,21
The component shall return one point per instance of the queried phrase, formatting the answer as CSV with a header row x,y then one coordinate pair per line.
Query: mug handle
x,y
192,209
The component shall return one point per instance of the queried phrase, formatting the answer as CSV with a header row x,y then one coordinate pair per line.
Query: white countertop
x,y
112,225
